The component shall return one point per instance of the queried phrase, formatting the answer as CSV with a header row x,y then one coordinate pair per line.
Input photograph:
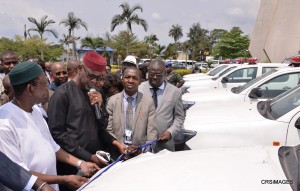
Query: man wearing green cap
x,y
25,136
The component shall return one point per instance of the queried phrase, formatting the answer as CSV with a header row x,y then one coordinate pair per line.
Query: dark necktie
x,y
154,96
129,113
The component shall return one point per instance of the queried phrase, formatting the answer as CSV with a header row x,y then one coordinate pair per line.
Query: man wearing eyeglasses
x,y
168,102
71,115
60,75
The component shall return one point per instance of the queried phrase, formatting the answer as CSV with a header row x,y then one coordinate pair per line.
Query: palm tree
x,y
66,40
92,43
176,32
150,42
129,17
73,22
41,28
159,50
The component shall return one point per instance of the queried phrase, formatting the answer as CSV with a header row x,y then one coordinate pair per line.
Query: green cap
x,y
24,72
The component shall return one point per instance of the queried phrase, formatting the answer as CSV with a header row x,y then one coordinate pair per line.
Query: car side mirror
x,y
297,123
255,93
224,80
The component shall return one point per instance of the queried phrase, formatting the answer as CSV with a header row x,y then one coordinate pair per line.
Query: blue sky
x,y
160,15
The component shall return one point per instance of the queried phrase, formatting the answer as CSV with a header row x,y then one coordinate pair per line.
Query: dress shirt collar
x,y
126,95
161,87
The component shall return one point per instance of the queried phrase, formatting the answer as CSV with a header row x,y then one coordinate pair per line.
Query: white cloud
x,y
155,16
235,11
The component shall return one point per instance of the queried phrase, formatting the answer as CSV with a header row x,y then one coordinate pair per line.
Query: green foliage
x,y
72,22
198,41
30,48
176,32
92,42
183,72
124,40
233,44
129,17
170,52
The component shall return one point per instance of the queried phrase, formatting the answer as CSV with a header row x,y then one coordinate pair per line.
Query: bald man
x,y
60,75
72,68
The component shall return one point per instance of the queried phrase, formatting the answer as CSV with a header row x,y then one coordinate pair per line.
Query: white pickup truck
x,y
233,78
267,123
213,73
269,85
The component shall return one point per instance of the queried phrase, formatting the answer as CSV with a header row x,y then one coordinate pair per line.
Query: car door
x,y
239,77
279,84
293,131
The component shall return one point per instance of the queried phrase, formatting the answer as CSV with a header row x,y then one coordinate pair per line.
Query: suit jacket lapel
x,y
137,110
119,104
165,95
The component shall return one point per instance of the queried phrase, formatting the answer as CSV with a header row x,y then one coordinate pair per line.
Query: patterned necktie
x,y
154,96
129,113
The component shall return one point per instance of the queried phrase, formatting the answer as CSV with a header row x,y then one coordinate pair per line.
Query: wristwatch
x,y
79,164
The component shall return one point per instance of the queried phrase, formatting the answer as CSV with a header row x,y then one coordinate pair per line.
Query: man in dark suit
x,y
168,101
17,178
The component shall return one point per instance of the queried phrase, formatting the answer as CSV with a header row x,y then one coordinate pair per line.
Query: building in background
x,y
276,33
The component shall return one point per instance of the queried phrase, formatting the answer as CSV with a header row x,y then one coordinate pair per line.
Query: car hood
x,y
228,169
188,76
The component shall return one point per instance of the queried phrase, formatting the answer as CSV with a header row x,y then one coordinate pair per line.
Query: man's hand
x,y
135,153
88,168
121,147
47,187
95,98
165,137
74,182
99,162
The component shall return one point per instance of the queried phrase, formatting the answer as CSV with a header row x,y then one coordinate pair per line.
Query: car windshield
x,y
280,105
224,72
239,89
217,70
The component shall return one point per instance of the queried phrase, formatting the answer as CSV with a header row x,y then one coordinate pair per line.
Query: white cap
x,y
130,59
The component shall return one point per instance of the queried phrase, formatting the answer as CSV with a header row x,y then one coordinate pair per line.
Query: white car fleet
x,y
247,120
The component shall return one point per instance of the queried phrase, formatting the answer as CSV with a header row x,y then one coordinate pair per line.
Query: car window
x,y
217,70
267,69
279,84
242,75
284,103
250,83
224,72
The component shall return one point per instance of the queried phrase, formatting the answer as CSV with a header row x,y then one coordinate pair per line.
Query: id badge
x,y
128,137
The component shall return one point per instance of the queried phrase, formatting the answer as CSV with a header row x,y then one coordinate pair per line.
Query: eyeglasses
x,y
156,74
10,62
61,72
92,76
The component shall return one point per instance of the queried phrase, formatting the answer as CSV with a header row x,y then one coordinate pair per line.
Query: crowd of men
x,y
55,117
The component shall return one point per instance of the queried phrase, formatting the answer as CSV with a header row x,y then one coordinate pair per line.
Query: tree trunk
x,y
74,47
42,52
